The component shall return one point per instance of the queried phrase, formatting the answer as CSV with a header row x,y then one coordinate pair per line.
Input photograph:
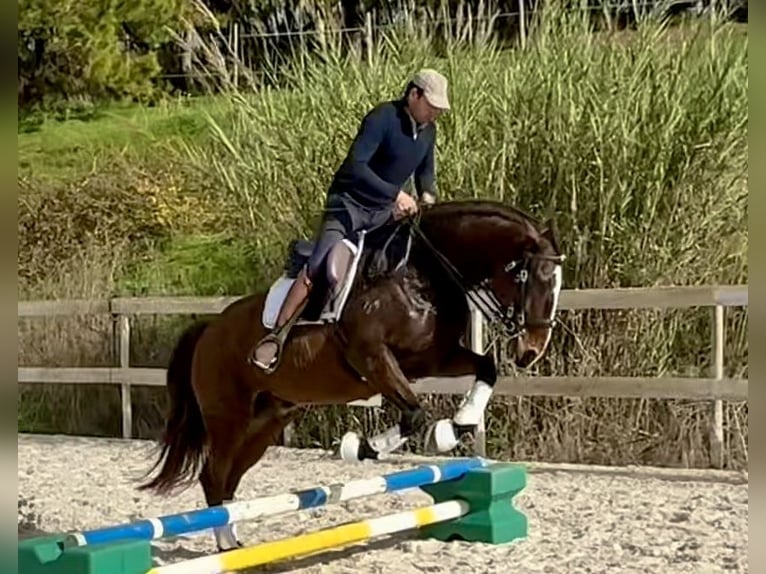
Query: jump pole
x,y
317,541
230,513
476,507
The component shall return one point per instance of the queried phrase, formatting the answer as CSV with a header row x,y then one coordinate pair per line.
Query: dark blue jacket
x,y
383,156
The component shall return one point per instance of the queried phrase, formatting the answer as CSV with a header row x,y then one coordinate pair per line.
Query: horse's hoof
x,y
226,538
237,546
445,438
222,550
349,447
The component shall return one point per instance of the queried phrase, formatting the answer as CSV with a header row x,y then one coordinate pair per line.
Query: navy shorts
x,y
343,218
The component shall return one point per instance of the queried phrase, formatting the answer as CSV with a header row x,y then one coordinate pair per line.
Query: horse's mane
x,y
485,208
490,208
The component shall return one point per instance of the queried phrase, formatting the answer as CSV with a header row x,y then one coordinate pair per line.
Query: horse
x,y
401,317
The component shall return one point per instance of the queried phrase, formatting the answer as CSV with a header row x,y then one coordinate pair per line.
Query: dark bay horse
x,y
395,328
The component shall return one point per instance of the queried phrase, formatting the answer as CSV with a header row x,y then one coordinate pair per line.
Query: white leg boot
x,y
473,405
226,536
352,450
468,415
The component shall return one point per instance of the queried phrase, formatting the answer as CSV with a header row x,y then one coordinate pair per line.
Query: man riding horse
x,y
394,330
396,141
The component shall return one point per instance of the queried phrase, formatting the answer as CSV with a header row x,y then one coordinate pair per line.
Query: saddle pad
x,y
280,287
274,299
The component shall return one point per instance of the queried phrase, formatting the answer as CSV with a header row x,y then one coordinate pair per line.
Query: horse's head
x,y
507,263
526,280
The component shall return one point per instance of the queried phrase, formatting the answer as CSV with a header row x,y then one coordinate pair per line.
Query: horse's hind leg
x,y
270,416
225,435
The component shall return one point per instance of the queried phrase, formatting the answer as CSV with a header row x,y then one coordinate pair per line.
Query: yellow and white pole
x,y
310,543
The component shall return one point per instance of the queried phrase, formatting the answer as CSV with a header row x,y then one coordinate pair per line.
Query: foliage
x,y
75,56
92,51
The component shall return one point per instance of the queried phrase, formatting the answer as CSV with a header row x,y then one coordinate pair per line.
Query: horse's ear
x,y
531,243
550,232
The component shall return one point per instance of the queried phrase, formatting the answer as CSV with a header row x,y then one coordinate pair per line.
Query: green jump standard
x,y
490,491
46,555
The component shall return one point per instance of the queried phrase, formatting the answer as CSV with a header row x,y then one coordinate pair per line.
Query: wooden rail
x,y
716,388
617,298
615,387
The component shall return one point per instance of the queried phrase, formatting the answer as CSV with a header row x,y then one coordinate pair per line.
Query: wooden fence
x,y
715,388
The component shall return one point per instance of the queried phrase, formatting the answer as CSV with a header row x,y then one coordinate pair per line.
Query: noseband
x,y
512,317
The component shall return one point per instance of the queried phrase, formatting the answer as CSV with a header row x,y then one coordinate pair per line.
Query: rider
x,y
395,141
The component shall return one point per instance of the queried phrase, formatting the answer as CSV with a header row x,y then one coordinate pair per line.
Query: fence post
x,y
321,36
127,410
235,44
477,346
368,36
716,428
287,434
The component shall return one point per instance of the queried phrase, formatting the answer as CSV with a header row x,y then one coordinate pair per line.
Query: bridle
x,y
513,317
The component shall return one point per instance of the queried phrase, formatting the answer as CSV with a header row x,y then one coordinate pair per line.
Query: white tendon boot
x,y
468,415
473,405
352,449
226,536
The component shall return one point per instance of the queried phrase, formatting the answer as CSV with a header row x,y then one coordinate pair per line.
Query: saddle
x,y
370,255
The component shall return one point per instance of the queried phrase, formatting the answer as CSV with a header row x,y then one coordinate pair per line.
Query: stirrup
x,y
272,366
278,336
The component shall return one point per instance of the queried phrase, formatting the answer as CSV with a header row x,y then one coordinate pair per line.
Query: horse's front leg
x,y
379,366
461,362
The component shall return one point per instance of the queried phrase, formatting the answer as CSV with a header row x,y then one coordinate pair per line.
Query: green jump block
x,y
47,555
490,491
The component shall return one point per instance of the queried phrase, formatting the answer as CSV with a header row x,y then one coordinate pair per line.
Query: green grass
x,y
205,265
58,151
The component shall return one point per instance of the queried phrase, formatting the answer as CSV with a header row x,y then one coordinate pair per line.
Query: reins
x,y
484,298
478,298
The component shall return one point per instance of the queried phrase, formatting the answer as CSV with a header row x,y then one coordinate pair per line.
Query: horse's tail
x,y
183,440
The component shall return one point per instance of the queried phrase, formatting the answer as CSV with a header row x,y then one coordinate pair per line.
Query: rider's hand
x,y
405,205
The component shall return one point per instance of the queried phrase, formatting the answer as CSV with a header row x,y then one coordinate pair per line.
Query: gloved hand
x,y
427,198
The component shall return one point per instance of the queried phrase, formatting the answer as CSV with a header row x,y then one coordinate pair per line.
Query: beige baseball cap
x,y
434,86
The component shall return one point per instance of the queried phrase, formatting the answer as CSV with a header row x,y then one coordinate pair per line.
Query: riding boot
x,y
266,353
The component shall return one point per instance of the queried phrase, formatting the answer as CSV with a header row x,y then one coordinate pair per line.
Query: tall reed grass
x,y
634,141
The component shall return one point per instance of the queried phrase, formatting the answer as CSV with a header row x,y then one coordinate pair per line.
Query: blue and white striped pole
x,y
226,514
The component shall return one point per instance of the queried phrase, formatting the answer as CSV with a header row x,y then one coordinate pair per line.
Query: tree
x,y
96,50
